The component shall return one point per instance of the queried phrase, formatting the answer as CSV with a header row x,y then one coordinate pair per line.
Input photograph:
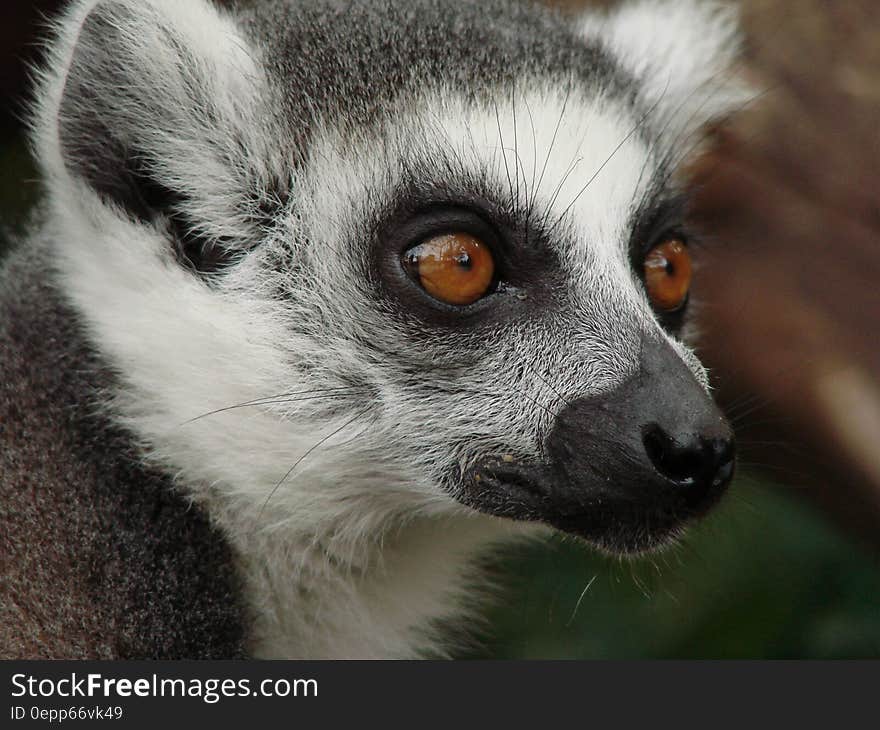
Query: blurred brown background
x,y
794,194
791,322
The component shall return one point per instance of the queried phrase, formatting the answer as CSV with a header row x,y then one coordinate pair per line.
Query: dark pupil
x,y
670,268
464,260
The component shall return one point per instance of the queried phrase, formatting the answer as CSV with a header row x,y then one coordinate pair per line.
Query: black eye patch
x,y
527,271
662,217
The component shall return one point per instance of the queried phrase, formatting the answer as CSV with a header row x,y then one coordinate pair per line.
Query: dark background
x,y
788,567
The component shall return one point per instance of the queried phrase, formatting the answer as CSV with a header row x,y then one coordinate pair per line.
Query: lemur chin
x,y
328,299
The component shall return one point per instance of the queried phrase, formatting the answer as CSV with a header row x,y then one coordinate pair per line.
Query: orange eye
x,y
668,275
455,268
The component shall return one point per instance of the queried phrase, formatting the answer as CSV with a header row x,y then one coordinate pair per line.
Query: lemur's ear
x,y
156,108
682,52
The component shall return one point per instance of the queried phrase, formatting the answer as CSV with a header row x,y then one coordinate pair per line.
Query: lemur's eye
x,y
455,268
668,275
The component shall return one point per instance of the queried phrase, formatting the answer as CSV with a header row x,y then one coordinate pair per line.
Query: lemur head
x,y
429,254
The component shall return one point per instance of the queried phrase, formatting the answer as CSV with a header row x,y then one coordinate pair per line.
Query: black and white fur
x,y
239,434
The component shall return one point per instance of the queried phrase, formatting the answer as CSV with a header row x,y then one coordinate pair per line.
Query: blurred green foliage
x,y
764,576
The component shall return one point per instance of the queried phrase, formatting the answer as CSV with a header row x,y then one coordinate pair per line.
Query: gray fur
x,y
349,62
101,557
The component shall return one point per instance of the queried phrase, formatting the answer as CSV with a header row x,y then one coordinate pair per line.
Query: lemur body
x,y
233,423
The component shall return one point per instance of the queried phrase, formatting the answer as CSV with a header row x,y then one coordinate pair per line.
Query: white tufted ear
x,y
682,52
154,105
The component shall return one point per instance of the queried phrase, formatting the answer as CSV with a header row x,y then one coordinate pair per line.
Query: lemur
x,y
327,299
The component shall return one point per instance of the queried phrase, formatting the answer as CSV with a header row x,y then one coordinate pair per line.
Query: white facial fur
x,y
362,545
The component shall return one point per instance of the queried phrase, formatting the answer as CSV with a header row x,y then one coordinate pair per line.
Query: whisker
x,y
504,155
571,168
577,158
329,396
552,143
515,145
311,450
545,382
669,160
744,401
785,471
534,150
539,404
531,197
673,163
279,398
614,152
580,600
670,116
781,444
748,405
747,408
776,421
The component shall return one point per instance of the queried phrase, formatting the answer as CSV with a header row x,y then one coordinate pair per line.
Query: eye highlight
x,y
455,268
668,273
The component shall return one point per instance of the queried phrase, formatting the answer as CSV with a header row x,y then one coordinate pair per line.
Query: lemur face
x,y
525,328
429,256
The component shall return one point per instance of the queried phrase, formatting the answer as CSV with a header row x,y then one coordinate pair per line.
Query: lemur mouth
x,y
503,484
613,520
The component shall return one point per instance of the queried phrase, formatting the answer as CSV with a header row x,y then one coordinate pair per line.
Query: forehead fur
x,y
345,64
349,61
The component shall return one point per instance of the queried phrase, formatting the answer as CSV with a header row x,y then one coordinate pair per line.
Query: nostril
x,y
724,457
682,464
706,462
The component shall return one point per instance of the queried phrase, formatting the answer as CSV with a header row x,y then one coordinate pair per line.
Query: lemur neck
x,y
387,599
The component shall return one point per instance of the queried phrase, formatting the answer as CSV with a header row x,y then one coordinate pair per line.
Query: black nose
x,y
699,465
629,467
